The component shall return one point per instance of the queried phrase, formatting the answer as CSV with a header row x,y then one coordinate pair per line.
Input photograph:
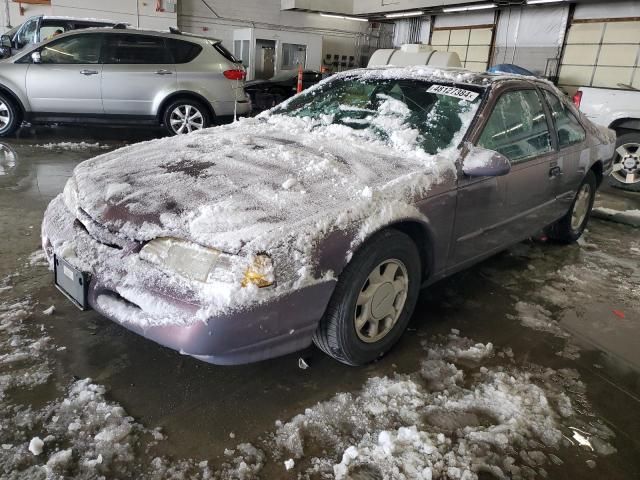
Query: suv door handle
x,y
164,72
89,72
555,172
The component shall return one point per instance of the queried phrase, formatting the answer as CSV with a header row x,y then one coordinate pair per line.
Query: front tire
x,y
10,116
373,300
185,116
570,227
626,163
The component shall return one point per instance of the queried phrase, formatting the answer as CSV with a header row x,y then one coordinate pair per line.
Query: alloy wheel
x,y
185,119
580,207
5,115
626,166
381,300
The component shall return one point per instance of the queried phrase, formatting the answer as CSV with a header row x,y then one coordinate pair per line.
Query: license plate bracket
x,y
71,282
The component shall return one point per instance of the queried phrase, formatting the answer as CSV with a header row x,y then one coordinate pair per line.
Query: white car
x,y
619,110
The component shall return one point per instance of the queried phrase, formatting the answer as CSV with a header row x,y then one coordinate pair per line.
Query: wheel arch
x,y
184,94
7,91
419,231
628,123
598,170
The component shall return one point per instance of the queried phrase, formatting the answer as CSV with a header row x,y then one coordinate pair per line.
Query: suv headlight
x,y
70,195
208,265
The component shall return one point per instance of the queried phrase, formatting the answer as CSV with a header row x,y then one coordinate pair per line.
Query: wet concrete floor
x,y
199,405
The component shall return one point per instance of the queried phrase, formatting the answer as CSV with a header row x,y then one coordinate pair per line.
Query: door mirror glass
x,y
481,162
36,57
5,41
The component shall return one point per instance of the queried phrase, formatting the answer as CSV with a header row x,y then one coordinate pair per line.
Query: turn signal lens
x,y
577,98
235,74
259,273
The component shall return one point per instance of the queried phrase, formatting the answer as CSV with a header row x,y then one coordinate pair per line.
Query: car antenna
x,y
175,31
120,26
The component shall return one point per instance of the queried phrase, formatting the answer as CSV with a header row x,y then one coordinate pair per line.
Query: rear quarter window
x,y
183,52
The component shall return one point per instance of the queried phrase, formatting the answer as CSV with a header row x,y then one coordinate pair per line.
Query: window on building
x,y
293,55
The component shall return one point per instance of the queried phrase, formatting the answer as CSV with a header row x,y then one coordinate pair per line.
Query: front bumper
x,y
174,313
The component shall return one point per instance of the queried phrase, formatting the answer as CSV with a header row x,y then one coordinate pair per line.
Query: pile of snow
x,y
455,419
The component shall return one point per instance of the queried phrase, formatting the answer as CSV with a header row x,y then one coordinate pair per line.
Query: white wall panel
x,y
607,9
486,17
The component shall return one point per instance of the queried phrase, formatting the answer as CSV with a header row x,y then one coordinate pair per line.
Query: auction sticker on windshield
x,y
453,92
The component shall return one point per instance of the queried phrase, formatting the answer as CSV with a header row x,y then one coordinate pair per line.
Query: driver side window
x,y
78,49
27,34
517,127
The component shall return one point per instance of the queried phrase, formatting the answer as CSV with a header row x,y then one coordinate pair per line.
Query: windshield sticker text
x,y
453,92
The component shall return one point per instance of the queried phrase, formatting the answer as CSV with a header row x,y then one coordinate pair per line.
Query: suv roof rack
x,y
120,26
175,31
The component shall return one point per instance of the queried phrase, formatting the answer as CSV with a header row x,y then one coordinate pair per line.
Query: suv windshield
x,y
401,112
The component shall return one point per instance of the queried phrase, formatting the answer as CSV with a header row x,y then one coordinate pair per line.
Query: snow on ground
x,y
551,288
80,434
73,146
461,415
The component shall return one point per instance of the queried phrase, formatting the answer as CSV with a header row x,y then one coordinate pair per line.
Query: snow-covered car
x,y
319,220
618,109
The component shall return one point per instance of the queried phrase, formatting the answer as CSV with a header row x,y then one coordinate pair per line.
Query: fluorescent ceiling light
x,y
465,8
342,17
404,14
534,2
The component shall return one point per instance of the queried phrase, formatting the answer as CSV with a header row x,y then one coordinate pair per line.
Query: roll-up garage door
x,y
472,44
601,53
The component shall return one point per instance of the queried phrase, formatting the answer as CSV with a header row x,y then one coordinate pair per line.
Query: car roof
x,y
442,74
82,19
137,31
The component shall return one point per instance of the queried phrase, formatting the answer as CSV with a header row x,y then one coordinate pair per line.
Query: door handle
x,y
555,172
164,72
89,72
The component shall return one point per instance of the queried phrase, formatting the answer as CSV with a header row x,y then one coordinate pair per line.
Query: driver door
x,y
495,212
68,78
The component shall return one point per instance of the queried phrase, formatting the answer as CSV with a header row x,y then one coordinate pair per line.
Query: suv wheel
x,y
185,116
373,300
570,227
9,116
626,163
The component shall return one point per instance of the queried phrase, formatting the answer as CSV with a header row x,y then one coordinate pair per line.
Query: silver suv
x,y
123,76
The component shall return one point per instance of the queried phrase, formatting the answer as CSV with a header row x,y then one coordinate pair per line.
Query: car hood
x,y
249,182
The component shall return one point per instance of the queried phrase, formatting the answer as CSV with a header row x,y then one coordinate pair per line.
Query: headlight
x,y
70,195
208,265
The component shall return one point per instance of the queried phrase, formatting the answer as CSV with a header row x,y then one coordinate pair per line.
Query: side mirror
x,y
5,46
36,57
481,162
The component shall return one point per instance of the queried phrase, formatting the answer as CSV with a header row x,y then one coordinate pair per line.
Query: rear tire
x,y
10,116
628,163
570,227
373,300
184,116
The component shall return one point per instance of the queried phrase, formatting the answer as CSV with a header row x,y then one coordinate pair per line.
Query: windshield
x,y
400,112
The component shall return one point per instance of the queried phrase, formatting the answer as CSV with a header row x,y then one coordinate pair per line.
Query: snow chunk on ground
x,y
35,445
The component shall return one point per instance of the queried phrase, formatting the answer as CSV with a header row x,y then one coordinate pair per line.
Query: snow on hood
x,y
227,186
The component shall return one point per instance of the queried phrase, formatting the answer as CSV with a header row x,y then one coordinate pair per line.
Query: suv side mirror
x,y
36,57
481,162
5,46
